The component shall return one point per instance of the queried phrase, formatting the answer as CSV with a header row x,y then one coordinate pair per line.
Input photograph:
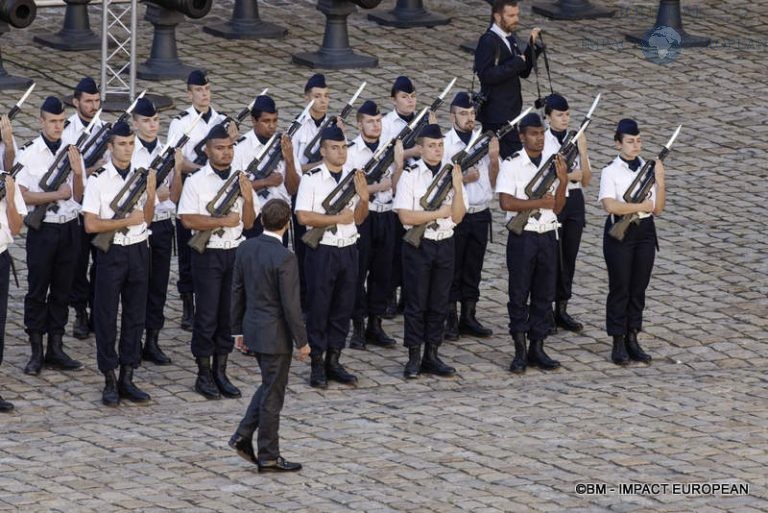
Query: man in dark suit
x,y
500,63
266,313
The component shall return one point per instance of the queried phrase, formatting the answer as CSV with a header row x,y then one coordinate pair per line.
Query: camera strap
x,y
536,65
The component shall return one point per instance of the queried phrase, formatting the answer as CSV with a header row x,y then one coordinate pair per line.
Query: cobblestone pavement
x,y
484,441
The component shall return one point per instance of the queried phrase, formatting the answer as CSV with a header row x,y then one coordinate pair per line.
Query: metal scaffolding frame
x,y
118,63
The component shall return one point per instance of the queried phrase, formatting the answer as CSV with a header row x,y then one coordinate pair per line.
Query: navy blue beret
x,y
217,132
122,129
332,133
432,131
627,126
263,103
52,105
403,84
316,80
462,100
87,85
557,102
197,77
532,120
369,108
145,107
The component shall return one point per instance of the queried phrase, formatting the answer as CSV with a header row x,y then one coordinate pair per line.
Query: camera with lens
x,y
478,99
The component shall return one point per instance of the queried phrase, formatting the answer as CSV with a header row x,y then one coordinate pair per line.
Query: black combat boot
x,y
317,377
432,364
35,363
619,354
538,358
80,329
56,358
152,352
5,406
188,311
468,324
357,340
109,396
519,361
225,386
204,384
564,320
634,350
375,334
552,323
411,370
126,388
452,323
391,310
335,371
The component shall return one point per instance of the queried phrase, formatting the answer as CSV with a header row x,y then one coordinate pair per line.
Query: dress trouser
x,y
471,241
572,220
331,280
82,292
52,253
532,266
427,275
376,247
212,275
629,263
263,412
160,252
121,278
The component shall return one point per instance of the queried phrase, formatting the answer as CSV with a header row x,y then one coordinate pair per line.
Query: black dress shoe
x,y
244,448
5,406
279,465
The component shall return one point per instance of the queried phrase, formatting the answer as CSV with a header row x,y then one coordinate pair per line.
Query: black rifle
x,y
546,175
97,145
338,199
441,185
640,189
410,140
312,151
265,164
480,149
219,206
201,158
125,201
375,174
17,108
56,175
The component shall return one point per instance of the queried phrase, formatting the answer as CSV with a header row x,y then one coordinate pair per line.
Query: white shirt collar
x,y
498,30
273,234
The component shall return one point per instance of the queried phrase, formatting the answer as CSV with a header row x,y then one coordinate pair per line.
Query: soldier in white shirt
x,y
331,268
630,261
471,234
212,269
122,272
532,255
12,212
199,94
87,101
376,245
147,147
572,218
52,250
264,121
428,269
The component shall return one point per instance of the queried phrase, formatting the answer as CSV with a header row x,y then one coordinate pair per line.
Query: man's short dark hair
x,y
275,215
499,5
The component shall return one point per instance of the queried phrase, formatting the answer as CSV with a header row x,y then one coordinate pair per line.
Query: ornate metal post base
x,y
571,10
245,24
163,62
407,14
8,81
76,33
669,16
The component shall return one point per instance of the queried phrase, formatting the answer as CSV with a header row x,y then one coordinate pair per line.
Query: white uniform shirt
x,y
358,156
74,127
143,158
616,179
315,186
37,158
411,187
246,149
514,175
199,189
301,139
104,187
6,237
182,122
552,146
480,192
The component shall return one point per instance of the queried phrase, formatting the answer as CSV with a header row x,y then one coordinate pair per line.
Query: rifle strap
x,y
546,63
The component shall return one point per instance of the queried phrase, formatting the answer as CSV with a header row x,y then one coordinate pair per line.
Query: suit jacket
x,y
266,308
499,72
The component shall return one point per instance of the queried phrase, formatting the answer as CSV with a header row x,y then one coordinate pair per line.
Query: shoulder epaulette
x,y
240,140
312,171
513,156
26,144
97,172
181,114
350,144
410,168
